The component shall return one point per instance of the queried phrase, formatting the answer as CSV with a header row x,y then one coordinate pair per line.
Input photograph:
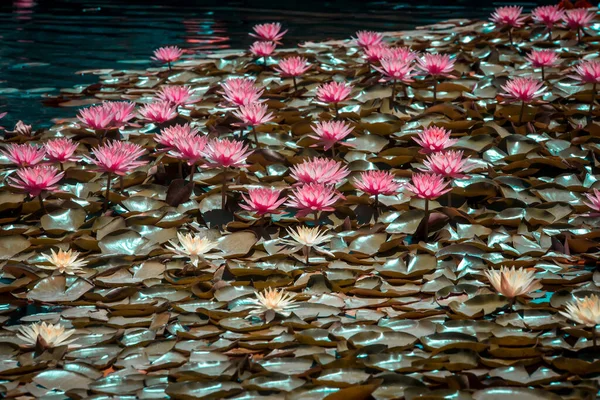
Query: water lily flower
x,y
368,38
313,198
584,311
594,200
436,66
512,282
60,150
589,72
577,19
36,180
167,54
308,238
395,70
542,58
170,134
328,133
319,170
22,129
254,114
272,300
65,262
293,67
434,139
45,335
270,32
525,90
24,155
262,49
427,186
334,92
373,54
121,112
159,111
548,15
450,164
263,201
97,117
178,95
508,17
196,247
376,183
240,91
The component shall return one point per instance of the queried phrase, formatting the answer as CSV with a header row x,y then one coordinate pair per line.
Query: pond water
x,y
45,43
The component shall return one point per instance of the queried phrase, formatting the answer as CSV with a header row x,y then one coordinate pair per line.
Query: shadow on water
x,y
45,42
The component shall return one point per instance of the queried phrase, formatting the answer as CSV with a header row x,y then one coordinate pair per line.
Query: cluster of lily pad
x,y
292,221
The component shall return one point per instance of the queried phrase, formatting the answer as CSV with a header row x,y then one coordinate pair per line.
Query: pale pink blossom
x,y
262,201
24,155
436,65
525,89
393,69
60,150
368,38
547,15
167,54
269,32
328,133
513,282
404,54
588,71
254,114
427,186
434,139
159,111
578,18
376,183
450,164
241,91
509,16
98,117
542,58
169,135
178,95
377,52
22,128
117,157
594,200
262,49
226,153
37,179
189,148
121,112
319,170
334,92
313,198
293,66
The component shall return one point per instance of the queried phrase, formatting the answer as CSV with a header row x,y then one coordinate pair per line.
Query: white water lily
x,y
584,311
513,283
280,302
65,262
308,238
193,246
47,335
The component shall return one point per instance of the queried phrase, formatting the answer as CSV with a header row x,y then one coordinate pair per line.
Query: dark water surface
x,y
45,42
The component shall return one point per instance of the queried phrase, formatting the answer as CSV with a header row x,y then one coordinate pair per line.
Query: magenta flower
x,y
60,150
394,69
98,117
436,65
368,38
239,92
262,201
509,16
226,153
35,180
434,139
167,54
262,49
328,133
376,183
169,135
334,92
577,19
377,52
178,95
117,157
542,58
293,66
313,198
254,114
24,155
189,148
319,170
524,89
427,186
547,15
594,200
589,72
159,111
450,164
270,32
121,111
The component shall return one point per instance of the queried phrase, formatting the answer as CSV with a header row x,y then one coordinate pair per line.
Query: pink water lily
x,y
589,72
509,16
334,92
37,179
319,170
434,139
268,32
593,200
450,164
376,183
263,49
368,38
226,153
293,67
263,201
170,134
178,95
548,16
189,148
167,54
427,185
542,59
117,157
159,111
525,90
254,114
313,198
328,133
24,155
373,54
121,111
97,117
436,66
241,91
60,150
577,19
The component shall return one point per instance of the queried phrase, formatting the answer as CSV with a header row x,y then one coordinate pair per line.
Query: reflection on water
x,y
44,43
